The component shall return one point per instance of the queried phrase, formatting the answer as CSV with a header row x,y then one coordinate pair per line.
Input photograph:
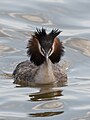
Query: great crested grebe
x,y
44,51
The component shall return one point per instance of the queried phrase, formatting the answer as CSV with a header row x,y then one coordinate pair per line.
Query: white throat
x,y
45,74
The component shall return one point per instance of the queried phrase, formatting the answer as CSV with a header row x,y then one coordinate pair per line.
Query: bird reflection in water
x,y
50,104
46,114
45,93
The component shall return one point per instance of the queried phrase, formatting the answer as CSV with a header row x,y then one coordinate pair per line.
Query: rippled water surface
x,y
18,19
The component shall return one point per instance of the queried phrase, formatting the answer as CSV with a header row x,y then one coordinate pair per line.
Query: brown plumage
x,y
44,51
34,53
58,51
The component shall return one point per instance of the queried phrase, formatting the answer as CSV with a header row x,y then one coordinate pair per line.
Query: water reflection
x,y
45,94
50,96
23,21
6,49
81,44
46,114
51,106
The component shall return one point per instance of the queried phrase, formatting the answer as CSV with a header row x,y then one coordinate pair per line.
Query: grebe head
x,y
43,46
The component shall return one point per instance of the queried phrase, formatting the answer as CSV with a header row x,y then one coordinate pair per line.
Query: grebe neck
x,y
45,73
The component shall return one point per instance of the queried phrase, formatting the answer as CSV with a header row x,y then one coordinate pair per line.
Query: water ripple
x,y
18,19
49,105
6,49
80,44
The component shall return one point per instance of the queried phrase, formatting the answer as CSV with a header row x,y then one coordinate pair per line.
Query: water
x,y
18,19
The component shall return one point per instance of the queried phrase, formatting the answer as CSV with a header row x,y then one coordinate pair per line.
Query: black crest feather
x,y
54,33
40,33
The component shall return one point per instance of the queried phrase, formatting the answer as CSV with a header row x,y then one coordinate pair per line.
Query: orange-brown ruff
x,y
44,51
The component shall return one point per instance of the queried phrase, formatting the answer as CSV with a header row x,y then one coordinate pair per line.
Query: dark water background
x,y
18,19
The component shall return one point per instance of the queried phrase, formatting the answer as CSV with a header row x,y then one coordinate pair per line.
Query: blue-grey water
x,y
18,19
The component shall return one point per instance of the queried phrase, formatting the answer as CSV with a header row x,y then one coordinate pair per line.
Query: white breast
x,y
45,74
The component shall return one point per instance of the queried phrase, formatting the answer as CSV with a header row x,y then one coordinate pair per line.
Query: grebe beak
x,y
47,58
